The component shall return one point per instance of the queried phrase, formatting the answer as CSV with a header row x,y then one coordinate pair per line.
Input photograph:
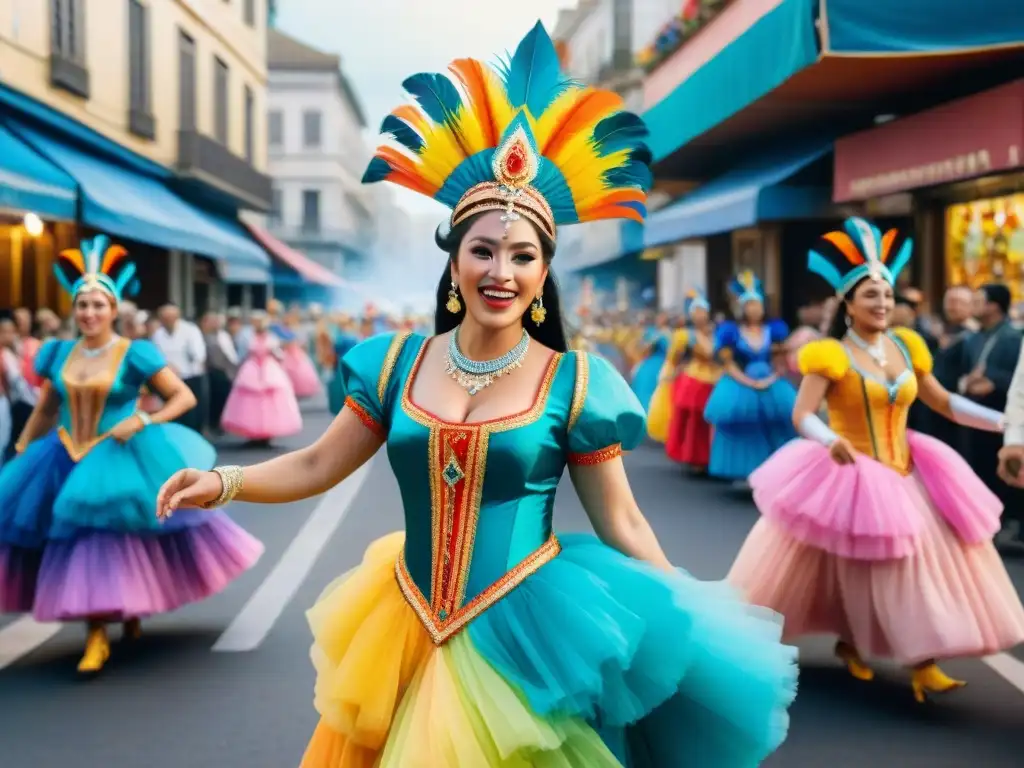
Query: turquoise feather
x,y
377,170
437,95
402,133
533,78
618,132
825,269
902,258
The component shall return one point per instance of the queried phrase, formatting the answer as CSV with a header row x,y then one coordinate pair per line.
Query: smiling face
x,y
94,313
871,305
499,274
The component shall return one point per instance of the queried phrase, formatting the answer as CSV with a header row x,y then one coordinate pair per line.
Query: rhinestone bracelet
x,y
231,479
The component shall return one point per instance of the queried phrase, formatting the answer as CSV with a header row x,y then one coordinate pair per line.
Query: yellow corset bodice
x,y
864,409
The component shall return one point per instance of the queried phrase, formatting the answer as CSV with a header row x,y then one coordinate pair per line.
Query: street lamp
x,y
33,224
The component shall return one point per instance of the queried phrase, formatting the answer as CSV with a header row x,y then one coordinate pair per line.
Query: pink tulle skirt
x,y
301,371
941,592
262,403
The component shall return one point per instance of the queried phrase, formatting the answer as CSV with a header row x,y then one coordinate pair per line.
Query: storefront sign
x,y
975,136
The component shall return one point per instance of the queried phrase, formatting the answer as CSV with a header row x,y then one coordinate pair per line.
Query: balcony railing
x,y
207,160
695,15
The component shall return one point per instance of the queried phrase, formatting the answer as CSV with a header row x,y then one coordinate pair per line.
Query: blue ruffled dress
x,y
749,424
481,638
79,537
648,372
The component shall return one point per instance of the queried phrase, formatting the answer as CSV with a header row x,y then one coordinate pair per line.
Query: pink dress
x,y
262,403
893,553
300,369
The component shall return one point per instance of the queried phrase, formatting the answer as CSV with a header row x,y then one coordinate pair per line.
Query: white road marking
x,y
22,636
1008,667
255,621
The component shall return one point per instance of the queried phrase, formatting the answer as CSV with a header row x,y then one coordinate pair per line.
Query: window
x,y
250,12
311,129
275,129
250,109
220,100
276,202
140,120
68,29
311,210
186,82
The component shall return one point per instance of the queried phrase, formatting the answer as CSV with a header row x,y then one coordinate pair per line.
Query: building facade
x,y
317,156
155,110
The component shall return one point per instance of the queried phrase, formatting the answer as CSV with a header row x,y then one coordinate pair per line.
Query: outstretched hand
x,y
187,488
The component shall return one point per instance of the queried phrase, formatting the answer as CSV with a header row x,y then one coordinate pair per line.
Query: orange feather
x,y
74,256
592,107
113,255
887,240
611,212
471,74
403,171
412,117
846,246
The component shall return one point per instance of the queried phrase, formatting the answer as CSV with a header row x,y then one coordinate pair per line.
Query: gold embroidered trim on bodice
x,y
87,390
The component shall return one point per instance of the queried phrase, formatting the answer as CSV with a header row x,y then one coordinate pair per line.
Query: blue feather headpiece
x,y
523,138
859,250
695,299
96,266
746,287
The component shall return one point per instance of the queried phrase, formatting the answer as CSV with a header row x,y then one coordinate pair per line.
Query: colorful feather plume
x,y
522,124
746,287
845,257
95,265
695,299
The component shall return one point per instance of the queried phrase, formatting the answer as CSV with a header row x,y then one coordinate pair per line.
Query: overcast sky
x,y
382,42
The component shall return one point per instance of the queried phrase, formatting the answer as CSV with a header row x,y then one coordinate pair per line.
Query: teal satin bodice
x,y
478,498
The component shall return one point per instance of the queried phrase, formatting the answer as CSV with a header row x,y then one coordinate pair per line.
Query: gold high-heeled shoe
x,y
931,679
854,663
97,651
132,629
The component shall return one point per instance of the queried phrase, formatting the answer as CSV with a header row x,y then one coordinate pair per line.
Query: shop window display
x,y
985,243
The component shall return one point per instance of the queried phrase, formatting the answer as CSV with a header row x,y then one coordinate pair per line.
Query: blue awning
x,y
128,204
29,183
743,197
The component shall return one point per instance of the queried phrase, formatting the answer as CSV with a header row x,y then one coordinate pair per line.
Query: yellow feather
x,y
552,118
499,107
471,132
440,156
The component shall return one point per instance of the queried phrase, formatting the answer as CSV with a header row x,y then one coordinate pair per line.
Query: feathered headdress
x,y
859,250
95,265
746,287
524,139
695,299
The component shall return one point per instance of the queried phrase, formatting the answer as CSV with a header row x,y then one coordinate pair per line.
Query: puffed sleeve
x,y
366,370
917,350
825,357
778,332
727,335
606,418
46,358
145,359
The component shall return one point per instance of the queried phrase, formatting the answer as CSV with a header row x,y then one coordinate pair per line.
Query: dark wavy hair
x,y
551,333
837,328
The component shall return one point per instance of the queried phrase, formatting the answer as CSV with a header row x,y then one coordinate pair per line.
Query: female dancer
x,y
689,436
653,354
262,404
870,532
441,648
750,408
659,414
294,357
78,541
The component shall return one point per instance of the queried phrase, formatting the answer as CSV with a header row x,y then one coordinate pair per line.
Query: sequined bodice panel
x,y
872,414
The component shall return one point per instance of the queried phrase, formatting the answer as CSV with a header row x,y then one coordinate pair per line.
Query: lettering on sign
x,y
928,174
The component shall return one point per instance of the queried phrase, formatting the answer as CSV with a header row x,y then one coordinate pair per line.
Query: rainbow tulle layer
x,y
862,511
595,660
82,539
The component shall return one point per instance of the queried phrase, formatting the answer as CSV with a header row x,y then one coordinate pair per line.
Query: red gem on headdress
x,y
515,161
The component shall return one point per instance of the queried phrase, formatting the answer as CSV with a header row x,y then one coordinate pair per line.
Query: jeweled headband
x,y
845,257
95,265
524,139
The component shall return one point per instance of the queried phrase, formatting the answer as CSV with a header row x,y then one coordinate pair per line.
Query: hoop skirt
x,y
262,403
81,540
689,435
585,659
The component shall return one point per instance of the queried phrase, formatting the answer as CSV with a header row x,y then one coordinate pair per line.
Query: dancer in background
x,y
750,409
870,532
652,351
689,435
262,404
294,357
78,537
478,638
343,342
659,413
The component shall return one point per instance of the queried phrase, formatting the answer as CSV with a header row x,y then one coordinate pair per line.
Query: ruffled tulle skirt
x,y
594,660
301,371
749,425
262,404
689,435
659,414
902,567
81,540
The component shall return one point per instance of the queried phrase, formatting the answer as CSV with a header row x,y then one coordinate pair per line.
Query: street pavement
x,y
228,682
